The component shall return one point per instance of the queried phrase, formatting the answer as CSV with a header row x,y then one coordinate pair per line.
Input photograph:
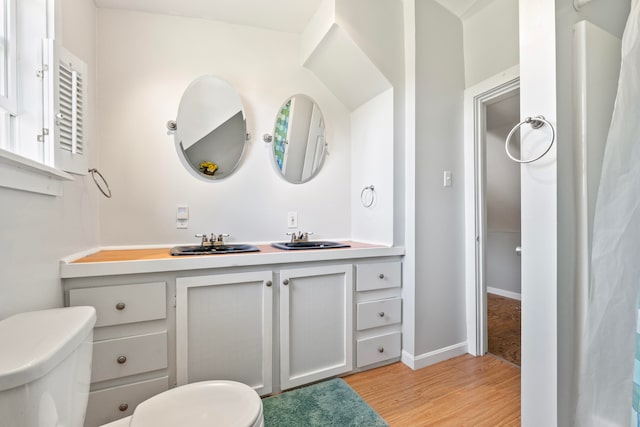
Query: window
x,y
8,81
34,148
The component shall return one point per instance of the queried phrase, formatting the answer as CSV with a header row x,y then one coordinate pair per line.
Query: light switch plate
x,y
292,219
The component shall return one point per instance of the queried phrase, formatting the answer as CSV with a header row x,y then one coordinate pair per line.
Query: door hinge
x,y
40,73
45,133
175,301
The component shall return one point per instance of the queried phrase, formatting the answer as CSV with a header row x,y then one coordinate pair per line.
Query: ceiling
x,y
281,15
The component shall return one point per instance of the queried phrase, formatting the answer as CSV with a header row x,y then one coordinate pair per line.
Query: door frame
x,y
476,99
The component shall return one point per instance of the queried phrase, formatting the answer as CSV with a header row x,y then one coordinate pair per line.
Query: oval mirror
x,y
299,145
211,132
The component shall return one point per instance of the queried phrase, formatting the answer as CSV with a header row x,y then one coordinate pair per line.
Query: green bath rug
x,y
329,403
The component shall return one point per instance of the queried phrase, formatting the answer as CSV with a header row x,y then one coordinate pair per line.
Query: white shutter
x,y
70,109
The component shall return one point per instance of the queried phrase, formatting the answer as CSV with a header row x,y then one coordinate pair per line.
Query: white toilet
x,y
45,371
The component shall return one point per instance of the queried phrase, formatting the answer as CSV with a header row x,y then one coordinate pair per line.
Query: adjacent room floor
x,y
463,391
503,318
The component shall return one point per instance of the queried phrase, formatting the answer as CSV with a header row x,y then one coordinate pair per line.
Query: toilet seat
x,y
207,403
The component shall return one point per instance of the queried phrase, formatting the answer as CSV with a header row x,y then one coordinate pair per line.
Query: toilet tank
x,y
45,367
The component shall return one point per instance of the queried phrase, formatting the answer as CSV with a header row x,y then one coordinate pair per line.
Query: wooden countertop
x,y
109,262
163,253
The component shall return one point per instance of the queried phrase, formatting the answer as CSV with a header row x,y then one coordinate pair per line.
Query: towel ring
x,y
536,123
366,202
93,173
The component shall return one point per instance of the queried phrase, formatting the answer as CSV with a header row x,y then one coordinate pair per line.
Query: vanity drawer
x,y
378,349
123,304
378,275
379,313
127,356
116,402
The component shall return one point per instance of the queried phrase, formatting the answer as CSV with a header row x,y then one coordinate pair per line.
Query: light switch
x,y
447,180
292,220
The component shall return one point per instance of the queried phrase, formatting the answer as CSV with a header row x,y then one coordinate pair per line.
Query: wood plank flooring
x,y
463,391
503,318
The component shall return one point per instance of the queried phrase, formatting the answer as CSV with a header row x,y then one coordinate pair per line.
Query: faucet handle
x,y
293,236
305,236
203,237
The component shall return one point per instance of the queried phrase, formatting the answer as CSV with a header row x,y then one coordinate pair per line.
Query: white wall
x,y
378,29
372,154
439,221
503,204
37,230
145,63
490,40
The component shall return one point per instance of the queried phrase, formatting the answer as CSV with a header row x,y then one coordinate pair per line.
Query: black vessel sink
x,y
309,245
212,250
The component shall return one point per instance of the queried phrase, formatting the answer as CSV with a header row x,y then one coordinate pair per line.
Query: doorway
x,y
501,251
492,214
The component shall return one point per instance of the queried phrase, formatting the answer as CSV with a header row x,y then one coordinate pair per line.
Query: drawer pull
x,y
120,306
123,407
121,359
381,276
269,283
285,282
381,314
381,349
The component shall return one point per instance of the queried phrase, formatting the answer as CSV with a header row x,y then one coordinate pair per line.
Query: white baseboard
x,y
433,357
503,293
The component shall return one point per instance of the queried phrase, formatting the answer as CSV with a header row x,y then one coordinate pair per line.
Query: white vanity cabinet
x,y
130,347
378,312
316,323
224,328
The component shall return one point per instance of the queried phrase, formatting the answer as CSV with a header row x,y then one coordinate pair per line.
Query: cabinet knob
x,y
380,349
269,283
285,282
123,407
381,314
381,276
121,359
120,306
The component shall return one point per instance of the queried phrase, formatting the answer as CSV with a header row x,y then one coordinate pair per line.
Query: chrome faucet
x,y
300,237
218,241
213,240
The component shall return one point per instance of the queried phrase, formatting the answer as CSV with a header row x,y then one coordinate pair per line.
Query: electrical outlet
x,y
182,217
292,220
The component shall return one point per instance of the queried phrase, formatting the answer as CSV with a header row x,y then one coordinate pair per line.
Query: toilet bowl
x,y
45,373
207,403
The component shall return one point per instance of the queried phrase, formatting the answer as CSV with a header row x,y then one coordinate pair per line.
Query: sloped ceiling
x,y
281,15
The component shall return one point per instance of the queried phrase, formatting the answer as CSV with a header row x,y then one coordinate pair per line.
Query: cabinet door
x,y
316,323
224,329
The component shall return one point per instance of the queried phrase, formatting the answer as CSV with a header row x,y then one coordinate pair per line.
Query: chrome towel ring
x,y
93,173
536,123
369,191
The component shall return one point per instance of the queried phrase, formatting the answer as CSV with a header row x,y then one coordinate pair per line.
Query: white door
x,y
316,323
539,216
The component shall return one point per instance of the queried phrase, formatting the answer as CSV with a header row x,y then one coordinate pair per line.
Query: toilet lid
x,y
207,403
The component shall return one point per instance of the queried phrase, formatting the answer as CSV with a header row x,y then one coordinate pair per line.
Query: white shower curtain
x,y
608,346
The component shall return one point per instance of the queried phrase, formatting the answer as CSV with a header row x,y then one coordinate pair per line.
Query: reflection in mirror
x,y
211,128
299,145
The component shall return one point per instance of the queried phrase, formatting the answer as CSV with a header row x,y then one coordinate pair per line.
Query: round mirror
x,y
210,130
299,145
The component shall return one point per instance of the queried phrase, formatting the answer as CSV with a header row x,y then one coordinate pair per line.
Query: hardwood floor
x,y
464,391
503,319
